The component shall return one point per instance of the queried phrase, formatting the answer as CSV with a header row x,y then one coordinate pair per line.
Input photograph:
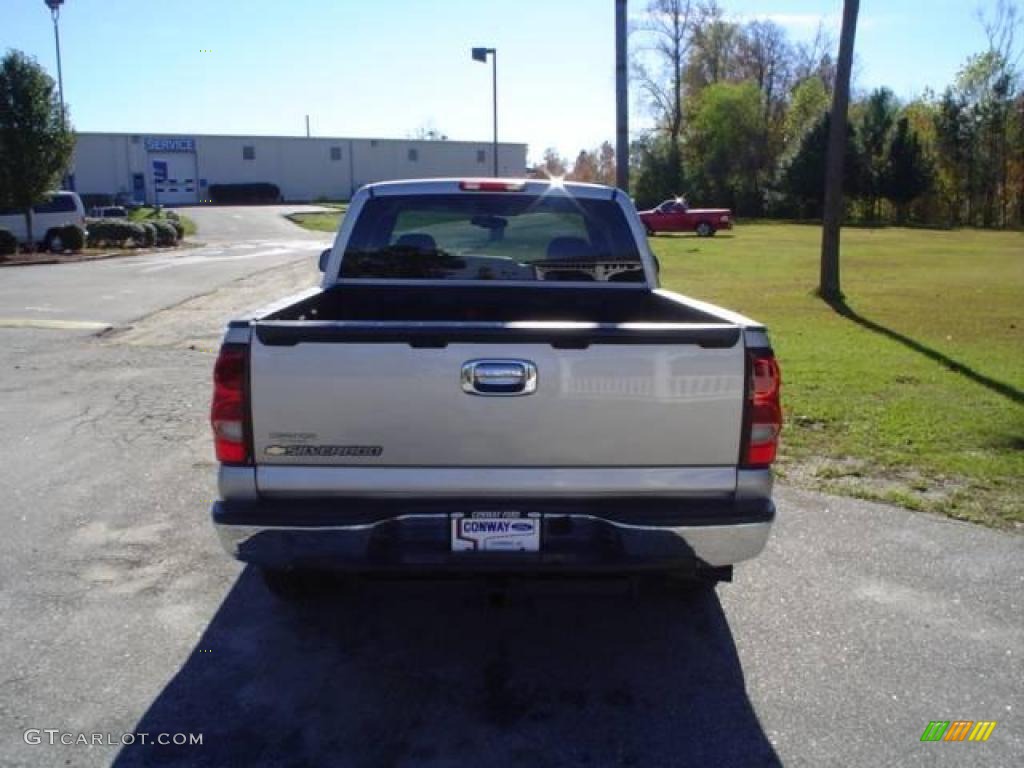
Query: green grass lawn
x,y
916,395
321,222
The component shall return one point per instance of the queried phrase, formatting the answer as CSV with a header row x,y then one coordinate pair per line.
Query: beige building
x,y
179,169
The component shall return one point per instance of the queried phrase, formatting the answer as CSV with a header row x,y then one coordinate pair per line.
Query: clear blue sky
x,y
386,67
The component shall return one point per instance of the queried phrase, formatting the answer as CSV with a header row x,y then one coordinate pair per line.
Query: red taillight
x,y
764,409
481,185
228,413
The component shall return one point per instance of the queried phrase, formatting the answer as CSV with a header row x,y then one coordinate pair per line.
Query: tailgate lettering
x,y
323,450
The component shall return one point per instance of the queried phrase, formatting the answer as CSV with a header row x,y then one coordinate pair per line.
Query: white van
x,y
62,208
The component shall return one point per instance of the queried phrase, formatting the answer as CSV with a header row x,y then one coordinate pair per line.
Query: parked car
x,y
109,212
676,216
490,379
61,209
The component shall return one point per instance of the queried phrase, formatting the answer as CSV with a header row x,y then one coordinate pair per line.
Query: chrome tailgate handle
x,y
499,377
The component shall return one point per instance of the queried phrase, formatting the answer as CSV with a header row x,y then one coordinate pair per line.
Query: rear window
x,y
56,204
492,237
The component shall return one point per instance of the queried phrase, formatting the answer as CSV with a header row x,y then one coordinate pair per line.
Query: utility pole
x,y
307,126
621,99
829,285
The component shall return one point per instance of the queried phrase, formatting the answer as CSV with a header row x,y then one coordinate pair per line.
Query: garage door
x,y
174,178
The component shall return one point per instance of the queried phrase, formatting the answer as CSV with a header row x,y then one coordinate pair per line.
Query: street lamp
x,y
480,54
54,6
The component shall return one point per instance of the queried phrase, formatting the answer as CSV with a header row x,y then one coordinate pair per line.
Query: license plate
x,y
495,532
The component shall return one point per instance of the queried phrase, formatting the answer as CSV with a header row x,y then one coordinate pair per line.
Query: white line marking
x,y
52,325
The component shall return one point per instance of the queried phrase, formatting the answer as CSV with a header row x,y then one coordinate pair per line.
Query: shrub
x,y
8,243
72,237
114,232
148,234
179,228
253,192
165,233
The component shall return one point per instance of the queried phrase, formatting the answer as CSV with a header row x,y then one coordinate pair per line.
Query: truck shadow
x,y
1011,393
420,673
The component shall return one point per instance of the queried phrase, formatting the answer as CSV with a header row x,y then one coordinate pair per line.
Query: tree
x,y
724,139
668,28
585,167
713,51
814,59
829,283
875,126
803,178
954,130
553,165
908,173
35,145
606,164
765,56
808,102
657,175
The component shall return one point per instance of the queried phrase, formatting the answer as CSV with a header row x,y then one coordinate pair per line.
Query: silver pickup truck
x,y
489,379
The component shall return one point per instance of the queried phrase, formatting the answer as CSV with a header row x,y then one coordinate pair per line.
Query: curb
x,y
185,246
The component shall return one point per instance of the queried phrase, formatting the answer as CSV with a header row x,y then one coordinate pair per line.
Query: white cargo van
x,y
62,208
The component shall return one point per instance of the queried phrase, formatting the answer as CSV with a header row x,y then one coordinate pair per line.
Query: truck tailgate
x,y
354,401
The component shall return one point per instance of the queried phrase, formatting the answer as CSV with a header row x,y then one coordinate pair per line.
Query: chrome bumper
x,y
715,534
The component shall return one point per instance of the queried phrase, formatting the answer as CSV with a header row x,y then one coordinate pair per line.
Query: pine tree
x,y
908,172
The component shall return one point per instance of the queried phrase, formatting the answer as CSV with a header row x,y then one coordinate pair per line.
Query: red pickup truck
x,y
675,216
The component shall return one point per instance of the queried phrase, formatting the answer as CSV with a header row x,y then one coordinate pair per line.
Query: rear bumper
x,y
361,534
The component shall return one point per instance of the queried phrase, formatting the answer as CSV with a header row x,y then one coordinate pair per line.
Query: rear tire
x,y
51,242
650,232
704,229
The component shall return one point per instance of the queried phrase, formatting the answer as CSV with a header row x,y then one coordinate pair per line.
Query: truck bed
x,y
383,303
562,317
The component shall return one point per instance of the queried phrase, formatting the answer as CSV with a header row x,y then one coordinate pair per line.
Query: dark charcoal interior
x,y
490,304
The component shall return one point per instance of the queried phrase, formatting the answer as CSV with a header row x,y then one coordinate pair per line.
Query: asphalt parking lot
x,y
859,624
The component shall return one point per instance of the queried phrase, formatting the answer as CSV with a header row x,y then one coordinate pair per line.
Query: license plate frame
x,y
495,531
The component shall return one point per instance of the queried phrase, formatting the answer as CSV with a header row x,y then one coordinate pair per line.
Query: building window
x,y
414,155
481,156
248,152
335,153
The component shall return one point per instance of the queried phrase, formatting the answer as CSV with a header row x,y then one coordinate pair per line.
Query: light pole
x,y
480,54
54,6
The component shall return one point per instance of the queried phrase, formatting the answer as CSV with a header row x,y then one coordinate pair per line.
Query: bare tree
x,y
659,69
814,58
764,56
1001,29
829,286
713,50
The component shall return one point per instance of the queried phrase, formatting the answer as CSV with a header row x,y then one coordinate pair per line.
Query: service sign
x,y
172,144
